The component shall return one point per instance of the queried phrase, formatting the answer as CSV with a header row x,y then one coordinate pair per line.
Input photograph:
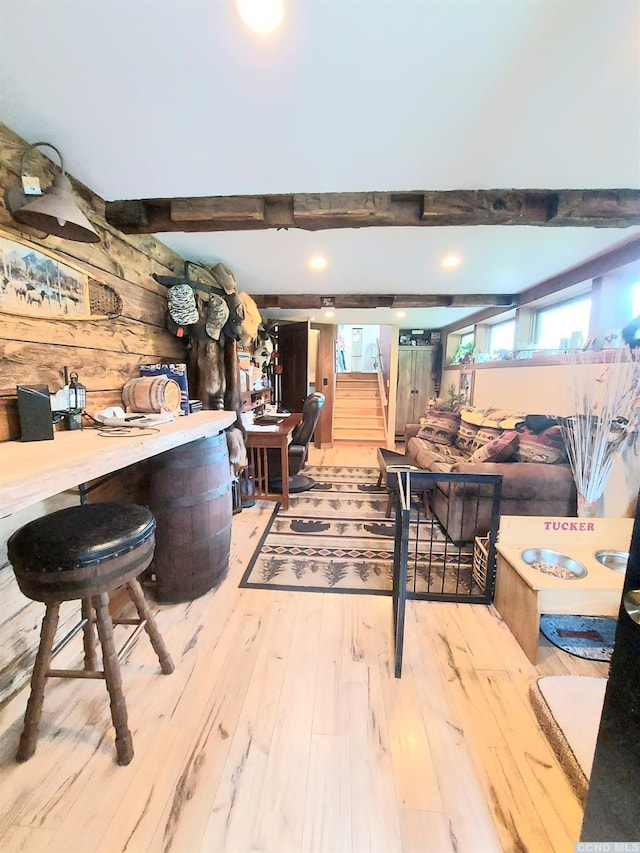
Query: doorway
x,y
357,349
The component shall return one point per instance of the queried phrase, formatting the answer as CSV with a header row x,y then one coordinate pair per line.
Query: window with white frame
x,y
563,325
502,337
467,338
635,300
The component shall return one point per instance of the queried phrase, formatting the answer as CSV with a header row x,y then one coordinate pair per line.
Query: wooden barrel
x,y
190,497
151,394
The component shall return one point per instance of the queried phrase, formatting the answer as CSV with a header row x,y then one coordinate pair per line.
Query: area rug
x,y
568,708
335,537
589,637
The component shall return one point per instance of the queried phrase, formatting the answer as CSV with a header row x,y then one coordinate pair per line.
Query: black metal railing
x,y
440,521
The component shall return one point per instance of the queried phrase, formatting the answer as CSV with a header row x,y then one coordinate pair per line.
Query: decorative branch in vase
x,y
605,417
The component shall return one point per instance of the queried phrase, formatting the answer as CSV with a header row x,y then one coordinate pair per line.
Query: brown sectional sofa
x,y
527,450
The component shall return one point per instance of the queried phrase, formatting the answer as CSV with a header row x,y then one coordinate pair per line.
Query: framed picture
x,y
465,388
37,284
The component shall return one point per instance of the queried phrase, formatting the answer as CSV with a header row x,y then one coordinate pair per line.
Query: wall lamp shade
x,y
55,211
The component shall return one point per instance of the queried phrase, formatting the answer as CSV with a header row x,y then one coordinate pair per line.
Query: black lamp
x,y
55,211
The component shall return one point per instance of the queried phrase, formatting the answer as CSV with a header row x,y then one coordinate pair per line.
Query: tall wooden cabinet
x,y
415,384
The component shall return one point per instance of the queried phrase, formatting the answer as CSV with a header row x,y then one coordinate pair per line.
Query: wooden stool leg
x,y
144,612
38,680
124,742
89,636
389,504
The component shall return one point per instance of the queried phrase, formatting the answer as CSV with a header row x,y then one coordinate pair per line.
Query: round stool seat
x,y
82,550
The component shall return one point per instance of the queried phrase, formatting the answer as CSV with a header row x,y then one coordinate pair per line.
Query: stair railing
x,y
384,400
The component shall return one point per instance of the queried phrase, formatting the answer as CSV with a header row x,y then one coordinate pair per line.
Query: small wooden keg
x,y
152,394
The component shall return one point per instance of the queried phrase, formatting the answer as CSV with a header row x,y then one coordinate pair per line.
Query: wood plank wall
x,y
105,353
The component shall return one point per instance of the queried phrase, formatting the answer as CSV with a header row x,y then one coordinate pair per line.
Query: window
x,y
563,326
502,336
635,300
467,338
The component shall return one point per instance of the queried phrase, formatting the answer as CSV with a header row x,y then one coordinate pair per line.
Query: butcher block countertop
x,y
35,470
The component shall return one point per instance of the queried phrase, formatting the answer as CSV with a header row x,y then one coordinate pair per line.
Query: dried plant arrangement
x,y
604,401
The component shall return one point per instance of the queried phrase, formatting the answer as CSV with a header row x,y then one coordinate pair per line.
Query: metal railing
x,y
429,563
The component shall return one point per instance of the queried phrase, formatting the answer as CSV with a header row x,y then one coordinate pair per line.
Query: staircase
x,y
357,410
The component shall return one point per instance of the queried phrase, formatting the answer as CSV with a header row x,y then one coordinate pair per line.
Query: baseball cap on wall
x,y
217,314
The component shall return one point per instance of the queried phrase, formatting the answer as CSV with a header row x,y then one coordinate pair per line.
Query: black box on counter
x,y
34,410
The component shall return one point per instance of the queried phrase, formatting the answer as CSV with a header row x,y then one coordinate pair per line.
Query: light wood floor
x,y
283,729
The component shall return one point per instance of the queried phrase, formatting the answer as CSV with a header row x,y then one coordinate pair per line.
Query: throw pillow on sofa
x,y
466,437
500,449
547,446
439,427
485,435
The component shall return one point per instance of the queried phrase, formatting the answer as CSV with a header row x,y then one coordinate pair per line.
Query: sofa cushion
x,y
485,435
426,453
492,417
499,450
471,415
503,418
465,437
440,427
547,447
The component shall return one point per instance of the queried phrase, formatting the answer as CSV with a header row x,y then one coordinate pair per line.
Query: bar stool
x,y
84,552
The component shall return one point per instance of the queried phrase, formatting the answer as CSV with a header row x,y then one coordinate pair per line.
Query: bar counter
x,y
35,470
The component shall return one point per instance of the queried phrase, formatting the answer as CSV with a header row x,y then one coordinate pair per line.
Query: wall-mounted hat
x,y
224,278
182,304
233,326
217,315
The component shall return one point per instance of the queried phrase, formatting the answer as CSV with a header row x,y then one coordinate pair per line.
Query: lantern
x,y
77,394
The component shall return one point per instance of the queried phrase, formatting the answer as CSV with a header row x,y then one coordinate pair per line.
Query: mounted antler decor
x,y
603,422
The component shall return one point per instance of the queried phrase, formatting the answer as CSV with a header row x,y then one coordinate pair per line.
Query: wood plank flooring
x,y
283,729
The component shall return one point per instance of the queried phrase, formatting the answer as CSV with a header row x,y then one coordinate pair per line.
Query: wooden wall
x,y
105,354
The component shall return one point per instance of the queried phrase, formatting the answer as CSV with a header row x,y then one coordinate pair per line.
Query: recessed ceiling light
x,y
329,312
261,16
401,313
317,262
451,261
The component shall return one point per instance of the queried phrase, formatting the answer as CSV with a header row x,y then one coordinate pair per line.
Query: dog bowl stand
x,y
522,594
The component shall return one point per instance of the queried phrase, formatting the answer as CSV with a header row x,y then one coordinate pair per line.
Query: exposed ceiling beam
x,y
613,208
306,301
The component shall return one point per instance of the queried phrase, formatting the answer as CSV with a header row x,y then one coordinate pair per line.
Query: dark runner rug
x,y
336,538
589,637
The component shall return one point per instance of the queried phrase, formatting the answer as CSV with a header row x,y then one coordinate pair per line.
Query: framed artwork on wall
x,y
37,283
465,388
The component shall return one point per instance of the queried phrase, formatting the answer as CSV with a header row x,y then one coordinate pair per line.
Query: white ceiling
x,y
161,98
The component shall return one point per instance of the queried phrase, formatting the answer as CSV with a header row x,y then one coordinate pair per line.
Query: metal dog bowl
x,y
553,564
631,602
616,560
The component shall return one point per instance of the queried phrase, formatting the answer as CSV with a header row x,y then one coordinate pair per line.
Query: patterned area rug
x,y
589,637
336,538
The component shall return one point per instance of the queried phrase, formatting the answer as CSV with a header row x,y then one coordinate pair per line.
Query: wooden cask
x,y
151,394
190,497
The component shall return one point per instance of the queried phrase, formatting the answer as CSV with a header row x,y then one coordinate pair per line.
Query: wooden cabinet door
x,y
405,393
415,385
422,381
